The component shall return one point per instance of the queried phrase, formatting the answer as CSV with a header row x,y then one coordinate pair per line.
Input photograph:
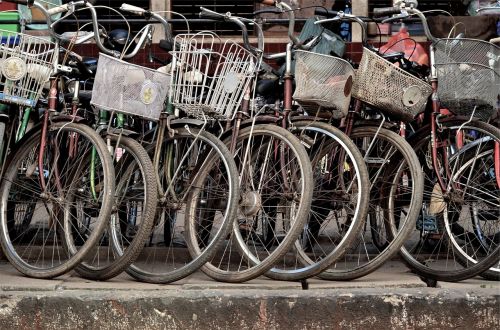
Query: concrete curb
x,y
409,308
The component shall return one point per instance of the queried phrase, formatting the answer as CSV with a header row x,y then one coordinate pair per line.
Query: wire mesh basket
x,y
468,72
385,86
26,63
129,88
209,78
323,83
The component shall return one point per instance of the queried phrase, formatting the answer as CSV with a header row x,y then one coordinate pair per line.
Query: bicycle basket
x,y
129,88
26,63
385,86
468,72
209,79
323,81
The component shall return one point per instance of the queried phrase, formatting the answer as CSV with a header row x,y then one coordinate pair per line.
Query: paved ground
x,y
389,298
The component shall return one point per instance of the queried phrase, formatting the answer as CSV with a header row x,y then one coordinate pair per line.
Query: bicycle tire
x,y
402,159
28,147
268,135
492,273
424,267
219,154
321,141
124,248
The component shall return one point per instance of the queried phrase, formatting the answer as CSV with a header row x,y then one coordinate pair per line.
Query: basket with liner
x,y
129,88
26,64
210,77
385,86
468,72
323,83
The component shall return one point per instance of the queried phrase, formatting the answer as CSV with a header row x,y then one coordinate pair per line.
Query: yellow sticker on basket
x,y
148,92
13,68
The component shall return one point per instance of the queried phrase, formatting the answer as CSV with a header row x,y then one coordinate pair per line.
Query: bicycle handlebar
x,y
210,14
333,13
405,8
133,9
325,12
70,7
341,16
281,8
147,13
386,11
267,11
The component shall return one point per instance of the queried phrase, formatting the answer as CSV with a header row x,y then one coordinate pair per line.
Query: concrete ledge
x,y
390,298
252,309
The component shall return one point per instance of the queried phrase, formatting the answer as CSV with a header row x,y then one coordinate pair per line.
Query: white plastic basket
x,y
26,63
129,88
209,78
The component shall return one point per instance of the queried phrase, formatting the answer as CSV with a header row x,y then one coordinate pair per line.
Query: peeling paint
x,y
366,309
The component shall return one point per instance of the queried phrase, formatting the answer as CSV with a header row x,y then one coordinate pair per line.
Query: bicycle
x,y
190,165
447,243
340,194
55,165
327,80
275,176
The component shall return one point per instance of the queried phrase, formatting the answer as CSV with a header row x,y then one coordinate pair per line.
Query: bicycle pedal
x,y
427,223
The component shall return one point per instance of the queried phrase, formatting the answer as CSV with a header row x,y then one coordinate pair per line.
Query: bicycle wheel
x,y
482,234
133,212
34,238
339,204
394,202
199,183
456,236
276,191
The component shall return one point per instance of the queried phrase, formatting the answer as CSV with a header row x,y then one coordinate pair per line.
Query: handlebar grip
x,y
325,12
387,11
22,2
206,13
58,9
267,11
268,2
132,9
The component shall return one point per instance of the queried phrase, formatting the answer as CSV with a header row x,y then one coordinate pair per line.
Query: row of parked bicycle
x,y
221,161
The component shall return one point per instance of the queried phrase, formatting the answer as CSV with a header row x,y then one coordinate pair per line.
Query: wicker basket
x,y
129,88
26,63
385,86
209,79
323,83
468,73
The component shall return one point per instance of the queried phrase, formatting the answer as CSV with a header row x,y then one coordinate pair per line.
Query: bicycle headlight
x,y
13,68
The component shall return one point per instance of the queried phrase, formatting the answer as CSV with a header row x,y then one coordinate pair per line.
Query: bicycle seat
x,y
393,56
266,86
166,45
90,63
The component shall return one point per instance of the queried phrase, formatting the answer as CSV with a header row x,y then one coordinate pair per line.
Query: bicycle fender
x,y
66,118
265,119
308,118
186,121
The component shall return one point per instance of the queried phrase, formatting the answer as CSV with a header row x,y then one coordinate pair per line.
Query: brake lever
x,y
396,17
